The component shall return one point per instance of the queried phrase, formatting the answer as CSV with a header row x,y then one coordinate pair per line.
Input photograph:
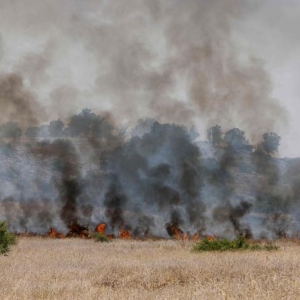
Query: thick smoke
x,y
158,67
66,164
174,61
148,178
16,102
157,182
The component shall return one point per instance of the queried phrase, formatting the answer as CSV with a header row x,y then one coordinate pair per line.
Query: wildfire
x,y
54,234
76,230
175,232
178,234
211,238
184,237
195,237
124,234
100,228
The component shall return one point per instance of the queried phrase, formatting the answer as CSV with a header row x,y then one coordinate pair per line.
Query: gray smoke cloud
x,y
16,102
171,60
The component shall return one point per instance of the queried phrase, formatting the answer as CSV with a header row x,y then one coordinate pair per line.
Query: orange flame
x,y
195,237
124,234
100,228
77,230
110,236
211,238
184,237
54,234
177,233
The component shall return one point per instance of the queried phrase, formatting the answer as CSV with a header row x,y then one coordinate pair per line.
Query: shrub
x,y
6,238
100,237
240,243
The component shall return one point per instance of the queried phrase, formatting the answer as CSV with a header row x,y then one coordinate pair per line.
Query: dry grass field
x,y
45,268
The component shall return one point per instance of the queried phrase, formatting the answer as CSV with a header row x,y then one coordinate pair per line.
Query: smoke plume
x,y
169,60
154,73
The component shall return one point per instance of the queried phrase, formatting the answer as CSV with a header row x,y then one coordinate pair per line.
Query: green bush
x,y
6,239
240,243
99,237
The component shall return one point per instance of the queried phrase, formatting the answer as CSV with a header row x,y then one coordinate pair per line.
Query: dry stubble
x,y
42,268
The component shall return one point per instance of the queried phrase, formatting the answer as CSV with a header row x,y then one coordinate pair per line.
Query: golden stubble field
x,y
45,268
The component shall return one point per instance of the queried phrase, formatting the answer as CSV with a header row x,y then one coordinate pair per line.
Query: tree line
x,y
235,139
85,123
88,124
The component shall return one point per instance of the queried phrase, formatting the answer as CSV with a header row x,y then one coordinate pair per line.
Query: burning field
x,y
149,125
179,140
160,182
46,268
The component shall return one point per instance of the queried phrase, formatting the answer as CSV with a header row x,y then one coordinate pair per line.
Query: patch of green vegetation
x,y
6,239
99,237
240,243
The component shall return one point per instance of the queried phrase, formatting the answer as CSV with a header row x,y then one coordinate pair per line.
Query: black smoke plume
x,y
65,164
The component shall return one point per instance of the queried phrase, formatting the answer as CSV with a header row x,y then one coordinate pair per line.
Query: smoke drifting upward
x,y
189,69
169,60
66,164
160,181
160,68
114,202
17,103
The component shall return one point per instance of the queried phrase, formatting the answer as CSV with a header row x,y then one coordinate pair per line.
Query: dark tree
x,y
89,124
35,131
10,130
56,128
271,142
235,139
32,132
214,135
80,125
101,128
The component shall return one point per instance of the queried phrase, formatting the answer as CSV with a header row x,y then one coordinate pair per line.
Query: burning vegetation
x,y
54,234
100,228
124,234
160,182
155,178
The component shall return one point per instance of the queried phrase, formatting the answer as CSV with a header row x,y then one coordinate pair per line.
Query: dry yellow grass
x,y
41,268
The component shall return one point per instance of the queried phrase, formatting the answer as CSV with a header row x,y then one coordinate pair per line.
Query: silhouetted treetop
x,y
10,130
214,135
235,139
271,142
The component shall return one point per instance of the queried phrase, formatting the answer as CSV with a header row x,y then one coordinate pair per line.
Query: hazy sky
x,y
272,33
231,62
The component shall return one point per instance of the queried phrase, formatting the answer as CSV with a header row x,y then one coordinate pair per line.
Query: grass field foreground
x,y
45,268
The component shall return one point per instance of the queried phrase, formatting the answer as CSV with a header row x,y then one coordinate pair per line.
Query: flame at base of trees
x,y
100,228
55,234
79,231
124,234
